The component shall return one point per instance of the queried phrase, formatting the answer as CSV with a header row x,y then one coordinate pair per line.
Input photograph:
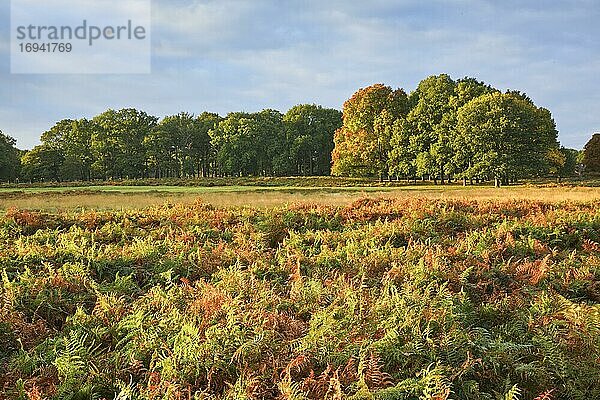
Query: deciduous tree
x,y
309,135
362,144
9,158
591,154
508,136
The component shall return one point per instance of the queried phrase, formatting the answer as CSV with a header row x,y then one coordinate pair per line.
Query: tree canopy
x,y
309,133
362,144
129,143
591,154
9,158
445,129
507,136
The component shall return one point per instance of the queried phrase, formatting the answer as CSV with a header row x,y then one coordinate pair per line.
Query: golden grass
x,y
69,201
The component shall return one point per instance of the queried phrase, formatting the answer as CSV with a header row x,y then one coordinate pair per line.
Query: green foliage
x,y
42,163
507,136
448,129
250,144
130,144
309,130
117,143
591,154
9,158
180,145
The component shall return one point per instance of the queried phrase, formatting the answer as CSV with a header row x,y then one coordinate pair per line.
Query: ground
x,y
264,193
361,291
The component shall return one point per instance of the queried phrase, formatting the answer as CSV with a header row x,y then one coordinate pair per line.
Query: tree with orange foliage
x,y
362,143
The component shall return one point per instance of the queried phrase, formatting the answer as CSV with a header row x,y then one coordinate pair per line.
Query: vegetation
x,y
447,130
591,154
130,144
9,158
273,192
381,299
363,143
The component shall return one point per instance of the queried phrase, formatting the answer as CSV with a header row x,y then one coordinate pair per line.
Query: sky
x,y
247,55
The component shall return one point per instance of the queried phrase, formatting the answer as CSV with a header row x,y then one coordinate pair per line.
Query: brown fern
x,y
374,377
547,395
318,387
534,271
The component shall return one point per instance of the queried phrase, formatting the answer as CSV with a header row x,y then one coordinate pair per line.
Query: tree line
x,y
131,144
444,130
447,130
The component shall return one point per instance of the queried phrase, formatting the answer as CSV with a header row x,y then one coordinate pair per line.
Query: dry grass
x,y
67,201
117,201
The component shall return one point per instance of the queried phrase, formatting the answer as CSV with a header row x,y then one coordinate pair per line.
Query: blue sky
x,y
232,55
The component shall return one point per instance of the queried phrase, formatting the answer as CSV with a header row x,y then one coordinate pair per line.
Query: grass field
x,y
132,197
299,293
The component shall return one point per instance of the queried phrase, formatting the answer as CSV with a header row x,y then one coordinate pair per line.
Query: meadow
x,y
296,293
266,193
